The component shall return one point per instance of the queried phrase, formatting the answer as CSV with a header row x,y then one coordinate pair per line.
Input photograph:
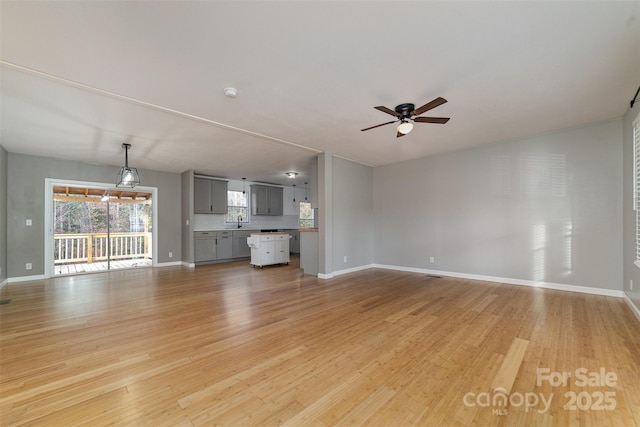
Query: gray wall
x,y
188,255
26,185
631,271
352,214
546,209
3,214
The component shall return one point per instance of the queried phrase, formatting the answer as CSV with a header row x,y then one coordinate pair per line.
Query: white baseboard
x,y
352,270
168,264
188,264
633,307
4,282
510,281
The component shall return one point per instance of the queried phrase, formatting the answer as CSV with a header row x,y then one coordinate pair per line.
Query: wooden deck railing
x,y
87,248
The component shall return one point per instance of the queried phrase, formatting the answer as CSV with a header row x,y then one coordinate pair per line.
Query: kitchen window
x,y
306,216
237,207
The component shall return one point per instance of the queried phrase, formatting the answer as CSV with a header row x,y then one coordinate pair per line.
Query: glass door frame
x,y
49,212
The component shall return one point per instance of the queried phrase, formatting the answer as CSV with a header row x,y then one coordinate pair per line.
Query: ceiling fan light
x,y
405,127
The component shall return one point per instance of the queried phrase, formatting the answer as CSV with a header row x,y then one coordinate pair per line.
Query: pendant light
x,y
127,177
306,190
244,185
294,193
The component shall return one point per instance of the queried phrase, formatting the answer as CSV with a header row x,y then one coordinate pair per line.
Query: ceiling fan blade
x,y
388,111
438,120
399,134
377,126
428,106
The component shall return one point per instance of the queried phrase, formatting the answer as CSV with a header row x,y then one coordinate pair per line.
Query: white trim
x,y
637,263
325,276
169,264
510,281
188,264
633,307
49,183
26,278
352,270
4,282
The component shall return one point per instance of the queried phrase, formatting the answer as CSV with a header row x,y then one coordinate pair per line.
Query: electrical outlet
x,y
170,254
28,223
28,266
432,260
345,258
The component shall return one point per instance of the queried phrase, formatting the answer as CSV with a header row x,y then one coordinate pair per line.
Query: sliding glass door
x,y
100,229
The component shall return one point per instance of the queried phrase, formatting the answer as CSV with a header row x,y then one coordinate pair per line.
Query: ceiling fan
x,y
406,113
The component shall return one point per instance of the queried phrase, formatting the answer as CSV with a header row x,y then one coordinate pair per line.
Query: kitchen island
x,y
269,248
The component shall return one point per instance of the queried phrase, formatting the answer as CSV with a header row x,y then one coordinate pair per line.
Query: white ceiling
x,y
80,78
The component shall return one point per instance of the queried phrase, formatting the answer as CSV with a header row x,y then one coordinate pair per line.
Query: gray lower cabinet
x,y
205,246
213,245
221,245
240,247
224,245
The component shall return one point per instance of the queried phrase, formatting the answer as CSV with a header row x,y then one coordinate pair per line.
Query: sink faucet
x,y
239,219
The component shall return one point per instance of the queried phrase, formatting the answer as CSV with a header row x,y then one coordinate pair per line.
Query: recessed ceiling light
x,y
230,92
292,174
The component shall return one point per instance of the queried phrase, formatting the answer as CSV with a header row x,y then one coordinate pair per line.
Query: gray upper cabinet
x,y
266,200
276,197
209,196
259,200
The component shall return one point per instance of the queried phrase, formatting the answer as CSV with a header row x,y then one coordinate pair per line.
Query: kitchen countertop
x,y
257,230
270,232
252,230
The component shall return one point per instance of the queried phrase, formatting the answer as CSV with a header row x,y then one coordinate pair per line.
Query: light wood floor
x,y
232,345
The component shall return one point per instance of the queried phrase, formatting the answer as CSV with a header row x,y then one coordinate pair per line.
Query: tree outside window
x,y
237,207
306,215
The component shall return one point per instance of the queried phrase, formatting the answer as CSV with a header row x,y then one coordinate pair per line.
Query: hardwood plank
x,y
510,365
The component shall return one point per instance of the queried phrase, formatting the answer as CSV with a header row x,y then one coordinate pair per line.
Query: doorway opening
x,y
100,229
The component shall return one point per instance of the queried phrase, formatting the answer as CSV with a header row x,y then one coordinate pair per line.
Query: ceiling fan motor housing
x,y
405,109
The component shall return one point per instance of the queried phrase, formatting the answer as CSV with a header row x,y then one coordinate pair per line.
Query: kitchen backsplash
x,y
216,222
